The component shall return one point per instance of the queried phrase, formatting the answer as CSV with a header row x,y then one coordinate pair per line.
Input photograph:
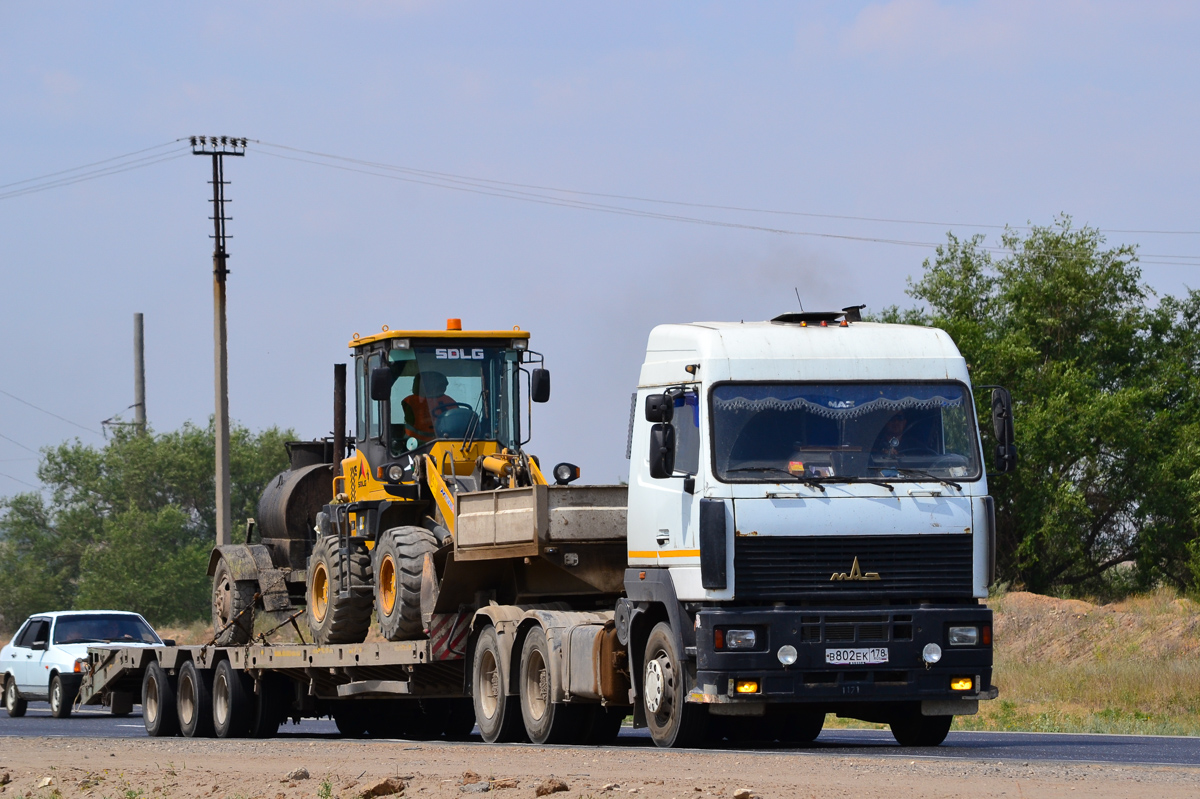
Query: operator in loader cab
x,y
426,404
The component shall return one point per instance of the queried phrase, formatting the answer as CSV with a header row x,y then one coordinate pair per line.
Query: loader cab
x,y
455,395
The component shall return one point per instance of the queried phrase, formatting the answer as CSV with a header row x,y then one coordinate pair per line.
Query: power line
x,y
19,444
635,198
117,169
18,480
464,185
94,163
49,413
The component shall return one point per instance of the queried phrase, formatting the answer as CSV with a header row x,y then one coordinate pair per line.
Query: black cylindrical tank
x,y
288,510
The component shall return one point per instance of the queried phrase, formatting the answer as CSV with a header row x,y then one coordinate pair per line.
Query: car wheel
x,y
13,702
61,698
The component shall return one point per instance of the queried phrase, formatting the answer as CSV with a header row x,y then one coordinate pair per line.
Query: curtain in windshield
x,y
769,432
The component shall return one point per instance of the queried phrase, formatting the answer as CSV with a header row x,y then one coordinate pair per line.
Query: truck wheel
x,y
231,702
399,557
459,715
796,726
13,702
231,597
546,721
62,696
332,619
913,729
159,713
497,714
673,722
271,705
601,725
350,718
194,701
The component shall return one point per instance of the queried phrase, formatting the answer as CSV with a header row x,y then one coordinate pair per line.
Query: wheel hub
x,y
655,686
320,592
387,585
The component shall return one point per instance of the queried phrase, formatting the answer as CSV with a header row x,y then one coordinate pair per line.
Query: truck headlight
x,y
964,636
736,639
786,654
931,654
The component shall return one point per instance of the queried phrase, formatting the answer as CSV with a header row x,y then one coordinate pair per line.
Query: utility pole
x,y
218,147
139,374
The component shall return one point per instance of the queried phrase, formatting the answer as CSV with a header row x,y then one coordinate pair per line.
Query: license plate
x,y
853,657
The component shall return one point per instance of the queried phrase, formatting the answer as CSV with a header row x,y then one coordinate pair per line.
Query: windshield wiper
x,y
814,482
929,475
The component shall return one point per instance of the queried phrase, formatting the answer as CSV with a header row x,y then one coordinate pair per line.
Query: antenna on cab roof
x,y
799,300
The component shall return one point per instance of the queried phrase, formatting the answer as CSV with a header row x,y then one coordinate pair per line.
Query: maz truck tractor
x,y
806,530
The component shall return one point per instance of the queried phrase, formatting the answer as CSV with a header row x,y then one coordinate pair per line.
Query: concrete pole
x,y
139,374
221,357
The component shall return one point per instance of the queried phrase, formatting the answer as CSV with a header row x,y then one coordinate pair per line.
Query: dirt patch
x,y
56,768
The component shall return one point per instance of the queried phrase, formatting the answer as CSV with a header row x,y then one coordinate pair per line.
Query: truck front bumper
x,y
892,639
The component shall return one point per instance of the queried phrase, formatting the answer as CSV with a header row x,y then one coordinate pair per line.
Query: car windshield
x,y
844,432
103,628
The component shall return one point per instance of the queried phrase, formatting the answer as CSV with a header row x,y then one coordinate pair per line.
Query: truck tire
x,y
673,722
913,729
546,721
232,702
794,726
496,712
398,560
332,619
601,725
194,701
459,715
159,712
62,696
350,718
230,598
271,705
13,703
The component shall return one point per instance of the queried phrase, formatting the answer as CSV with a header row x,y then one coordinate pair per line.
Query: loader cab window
x,y
362,392
374,411
455,392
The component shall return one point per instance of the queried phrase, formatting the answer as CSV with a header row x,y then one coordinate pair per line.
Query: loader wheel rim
x,y
489,684
320,592
223,599
387,585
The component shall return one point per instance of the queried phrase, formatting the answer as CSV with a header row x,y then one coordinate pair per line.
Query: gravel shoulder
x,y
61,768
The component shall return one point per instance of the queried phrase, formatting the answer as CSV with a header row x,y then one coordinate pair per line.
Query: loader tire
x,y
230,598
331,618
398,560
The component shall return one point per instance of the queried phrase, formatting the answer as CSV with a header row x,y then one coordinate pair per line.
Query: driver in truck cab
x,y
426,404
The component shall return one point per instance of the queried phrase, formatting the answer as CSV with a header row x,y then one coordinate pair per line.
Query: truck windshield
x,y
103,628
844,432
453,392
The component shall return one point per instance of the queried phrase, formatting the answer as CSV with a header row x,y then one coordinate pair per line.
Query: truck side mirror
x,y
1002,425
381,384
660,408
662,451
539,385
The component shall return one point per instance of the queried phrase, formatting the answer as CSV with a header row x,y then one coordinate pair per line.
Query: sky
x,y
948,116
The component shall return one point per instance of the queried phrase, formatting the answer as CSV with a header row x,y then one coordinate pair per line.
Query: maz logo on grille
x,y
856,573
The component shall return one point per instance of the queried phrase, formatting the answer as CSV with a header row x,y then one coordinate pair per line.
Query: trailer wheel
x,y
601,725
913,729
459,715
13,703
231,702
398,560
271,705
331,618
496,712
673,722
795,726
159,713
546,721
194,701
230,598
350,718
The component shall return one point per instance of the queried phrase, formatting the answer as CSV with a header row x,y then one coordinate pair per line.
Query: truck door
x,y
679,515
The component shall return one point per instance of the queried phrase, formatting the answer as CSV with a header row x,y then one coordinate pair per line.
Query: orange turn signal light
x,y
962,683
746,686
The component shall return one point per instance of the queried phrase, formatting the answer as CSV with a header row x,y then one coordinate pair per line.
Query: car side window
x,y
19,638
35,630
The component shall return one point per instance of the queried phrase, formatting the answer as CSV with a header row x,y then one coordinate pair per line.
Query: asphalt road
x,y
975,746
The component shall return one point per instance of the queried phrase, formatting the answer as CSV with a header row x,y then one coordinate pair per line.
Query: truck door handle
x,y
663,537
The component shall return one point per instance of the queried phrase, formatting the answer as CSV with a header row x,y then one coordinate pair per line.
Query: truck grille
x,y
800,567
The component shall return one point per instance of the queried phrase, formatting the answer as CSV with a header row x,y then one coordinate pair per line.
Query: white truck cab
x,y
808,499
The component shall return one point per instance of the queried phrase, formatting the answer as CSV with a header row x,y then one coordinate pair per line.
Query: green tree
x,y
1104,383
127,525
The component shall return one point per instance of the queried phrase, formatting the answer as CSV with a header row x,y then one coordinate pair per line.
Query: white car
x,y
45,658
